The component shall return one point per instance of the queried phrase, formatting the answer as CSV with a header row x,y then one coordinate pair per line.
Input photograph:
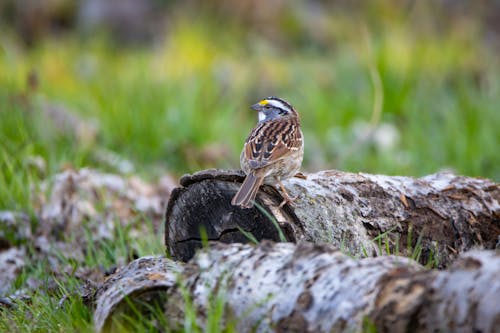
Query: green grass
x,y
183,105
388,244
57,305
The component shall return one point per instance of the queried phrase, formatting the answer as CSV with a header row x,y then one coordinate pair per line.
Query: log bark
x,y
433,218
308,287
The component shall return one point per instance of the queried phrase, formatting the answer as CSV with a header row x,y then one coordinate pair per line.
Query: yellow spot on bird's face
x,y
263,102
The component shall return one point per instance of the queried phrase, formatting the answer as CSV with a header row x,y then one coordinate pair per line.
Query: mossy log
x,y
433,218
307,287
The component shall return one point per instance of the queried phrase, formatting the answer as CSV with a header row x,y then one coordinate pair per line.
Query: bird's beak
x,y
256,107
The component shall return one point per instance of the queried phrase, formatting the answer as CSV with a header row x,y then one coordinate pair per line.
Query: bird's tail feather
x,y
248,191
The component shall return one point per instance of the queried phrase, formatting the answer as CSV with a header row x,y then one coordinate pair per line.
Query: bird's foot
x,y
287,198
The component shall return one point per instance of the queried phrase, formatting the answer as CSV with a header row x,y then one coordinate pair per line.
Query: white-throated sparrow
x,y
272,152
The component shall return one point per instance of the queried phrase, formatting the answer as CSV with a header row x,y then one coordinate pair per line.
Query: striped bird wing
x,y
271,141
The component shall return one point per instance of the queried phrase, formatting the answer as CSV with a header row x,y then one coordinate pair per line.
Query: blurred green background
x,y
148,87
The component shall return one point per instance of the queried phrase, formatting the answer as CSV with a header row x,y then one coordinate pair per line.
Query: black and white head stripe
x,y
277,103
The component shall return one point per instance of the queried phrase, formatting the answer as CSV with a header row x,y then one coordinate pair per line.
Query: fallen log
x,y
432,219
307,287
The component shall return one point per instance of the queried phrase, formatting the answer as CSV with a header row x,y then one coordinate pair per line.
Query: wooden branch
x,y
438,216
308,287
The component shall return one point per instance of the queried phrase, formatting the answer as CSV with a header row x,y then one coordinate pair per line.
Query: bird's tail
x,y
247,192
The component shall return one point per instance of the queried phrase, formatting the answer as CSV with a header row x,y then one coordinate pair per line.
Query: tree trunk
x,y
433,218
307,287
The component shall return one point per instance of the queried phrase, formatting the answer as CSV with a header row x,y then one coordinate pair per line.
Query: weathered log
x,y
438,216
308,287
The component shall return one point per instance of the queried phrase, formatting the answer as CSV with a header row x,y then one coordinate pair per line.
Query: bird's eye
x,y
267,106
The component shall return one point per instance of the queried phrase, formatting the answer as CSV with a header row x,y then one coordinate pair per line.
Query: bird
x,y
272,152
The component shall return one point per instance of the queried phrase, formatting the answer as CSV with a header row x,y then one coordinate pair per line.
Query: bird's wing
x,y
271,141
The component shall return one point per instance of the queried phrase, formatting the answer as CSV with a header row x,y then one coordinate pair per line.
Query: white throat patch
x,y
262,116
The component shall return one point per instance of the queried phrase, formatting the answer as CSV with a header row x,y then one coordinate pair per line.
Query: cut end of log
x,y
201,210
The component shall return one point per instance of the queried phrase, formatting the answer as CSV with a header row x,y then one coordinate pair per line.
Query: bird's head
x,y
274,107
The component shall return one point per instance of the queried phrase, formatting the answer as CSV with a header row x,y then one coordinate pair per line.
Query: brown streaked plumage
x,y
272,152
